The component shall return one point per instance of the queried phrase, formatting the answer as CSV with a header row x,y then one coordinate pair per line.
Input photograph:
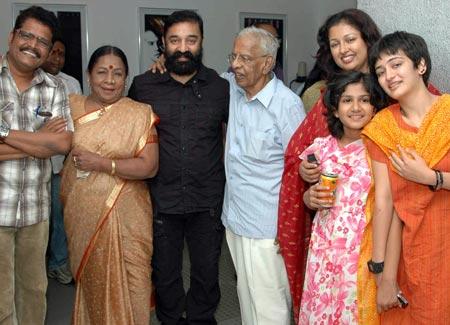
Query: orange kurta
x,y
108,220
424,270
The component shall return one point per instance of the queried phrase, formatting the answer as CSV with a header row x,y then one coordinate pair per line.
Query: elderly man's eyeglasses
x,y
29,37
243,59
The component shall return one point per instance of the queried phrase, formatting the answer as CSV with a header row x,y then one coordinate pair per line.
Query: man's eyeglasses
x,y
243,59
29,37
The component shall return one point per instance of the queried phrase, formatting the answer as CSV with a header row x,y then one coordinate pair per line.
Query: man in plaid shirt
x,y
35,124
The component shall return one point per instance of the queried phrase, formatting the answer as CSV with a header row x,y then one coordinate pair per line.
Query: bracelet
x,y
433,187
113,167
439,181
375,267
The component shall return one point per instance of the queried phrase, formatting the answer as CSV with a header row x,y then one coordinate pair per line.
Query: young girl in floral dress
x,y
330,287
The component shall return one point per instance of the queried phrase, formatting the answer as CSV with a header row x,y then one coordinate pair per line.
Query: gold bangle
x,y
113,167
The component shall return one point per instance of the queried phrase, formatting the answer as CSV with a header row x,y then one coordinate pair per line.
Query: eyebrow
x,y
346,35
107,68
390,60
178,36
355,96
394,58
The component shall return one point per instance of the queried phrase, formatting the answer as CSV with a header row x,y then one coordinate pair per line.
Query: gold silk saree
x,y
108,219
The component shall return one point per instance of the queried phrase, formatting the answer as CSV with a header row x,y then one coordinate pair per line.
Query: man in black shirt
x,y
192,103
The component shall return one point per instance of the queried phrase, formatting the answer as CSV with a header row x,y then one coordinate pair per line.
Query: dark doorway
x,y
70,23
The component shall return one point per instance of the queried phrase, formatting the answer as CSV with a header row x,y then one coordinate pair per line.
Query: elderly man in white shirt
x,y
263,115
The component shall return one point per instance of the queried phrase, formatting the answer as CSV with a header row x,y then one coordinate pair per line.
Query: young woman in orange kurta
x,y
409,145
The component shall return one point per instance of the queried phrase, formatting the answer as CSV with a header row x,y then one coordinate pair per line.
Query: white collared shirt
x,y
72,86
258,132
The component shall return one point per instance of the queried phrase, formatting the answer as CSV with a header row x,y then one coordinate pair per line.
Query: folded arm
x,y
50,140
10,153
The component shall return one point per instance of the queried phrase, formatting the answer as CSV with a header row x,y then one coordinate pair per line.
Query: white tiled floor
x,y
60,297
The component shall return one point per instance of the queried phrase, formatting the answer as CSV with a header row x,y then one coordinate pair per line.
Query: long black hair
x,y
325,67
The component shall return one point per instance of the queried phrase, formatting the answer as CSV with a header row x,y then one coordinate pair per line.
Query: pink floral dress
x,y
329,292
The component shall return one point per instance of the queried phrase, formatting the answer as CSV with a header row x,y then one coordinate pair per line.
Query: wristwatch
x,y
375,267
4,131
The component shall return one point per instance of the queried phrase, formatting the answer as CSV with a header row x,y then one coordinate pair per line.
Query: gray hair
x,y
267,42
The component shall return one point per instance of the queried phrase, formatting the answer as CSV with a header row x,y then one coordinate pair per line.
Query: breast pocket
x,y
168,113
38,117
259,143
208,116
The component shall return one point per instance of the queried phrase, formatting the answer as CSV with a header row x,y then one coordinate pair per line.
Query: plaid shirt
x,y
25,183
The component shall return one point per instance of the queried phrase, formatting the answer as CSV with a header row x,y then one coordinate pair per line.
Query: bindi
x,y
111,67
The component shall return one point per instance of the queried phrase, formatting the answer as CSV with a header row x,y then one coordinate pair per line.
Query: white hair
x,y
267,42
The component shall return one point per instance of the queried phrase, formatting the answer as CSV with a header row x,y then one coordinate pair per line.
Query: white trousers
x,y
262,283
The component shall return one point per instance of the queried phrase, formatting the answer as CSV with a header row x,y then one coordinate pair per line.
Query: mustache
x,y
179,54
32,50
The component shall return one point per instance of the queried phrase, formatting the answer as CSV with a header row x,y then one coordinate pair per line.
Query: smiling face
x,y
354,109
107,79
397,75
348,48
29,46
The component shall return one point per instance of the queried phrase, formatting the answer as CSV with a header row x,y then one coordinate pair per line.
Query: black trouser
x,y
204,234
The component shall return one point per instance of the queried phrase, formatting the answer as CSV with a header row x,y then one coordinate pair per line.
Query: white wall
x,y
116,22
427,18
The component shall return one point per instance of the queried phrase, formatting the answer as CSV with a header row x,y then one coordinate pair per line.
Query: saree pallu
x,y
424,266
108,220
294,219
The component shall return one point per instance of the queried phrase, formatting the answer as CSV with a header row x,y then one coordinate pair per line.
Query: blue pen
x,y
39,112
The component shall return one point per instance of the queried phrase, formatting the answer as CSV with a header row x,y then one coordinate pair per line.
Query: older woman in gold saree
x,y
107,208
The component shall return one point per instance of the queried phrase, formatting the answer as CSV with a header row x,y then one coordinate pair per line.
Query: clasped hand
x,y
86,160
411,166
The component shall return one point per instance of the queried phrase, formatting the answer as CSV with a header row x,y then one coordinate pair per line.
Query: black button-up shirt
x,y
191,175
